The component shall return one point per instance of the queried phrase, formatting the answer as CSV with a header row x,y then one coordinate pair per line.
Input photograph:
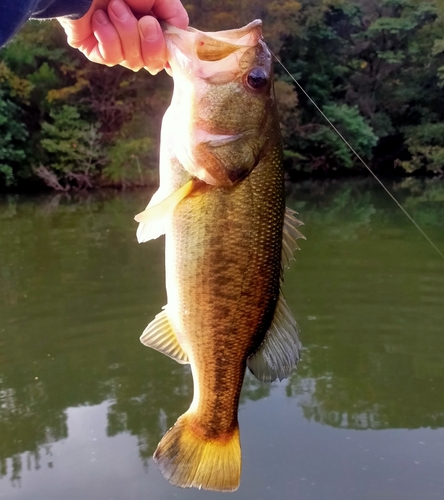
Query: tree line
x,y
375,68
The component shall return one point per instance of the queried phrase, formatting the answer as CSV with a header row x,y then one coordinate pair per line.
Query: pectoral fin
x,y
159,335
152,220
291,234
278,354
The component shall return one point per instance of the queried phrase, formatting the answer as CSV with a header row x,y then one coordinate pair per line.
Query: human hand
x,y
125,32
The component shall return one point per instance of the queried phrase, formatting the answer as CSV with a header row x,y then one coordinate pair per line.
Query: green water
x,y
83,403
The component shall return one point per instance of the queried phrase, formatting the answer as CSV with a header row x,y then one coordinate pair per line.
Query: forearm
x,y
14,13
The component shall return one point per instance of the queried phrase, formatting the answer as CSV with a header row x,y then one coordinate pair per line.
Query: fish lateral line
x,y
391,195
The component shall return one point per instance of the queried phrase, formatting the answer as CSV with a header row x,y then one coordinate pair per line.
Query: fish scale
x,y
231,289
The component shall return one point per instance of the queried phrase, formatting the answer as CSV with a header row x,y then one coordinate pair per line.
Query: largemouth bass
x,y
228,237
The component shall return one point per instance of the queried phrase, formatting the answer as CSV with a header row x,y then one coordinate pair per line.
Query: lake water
x,y
83,404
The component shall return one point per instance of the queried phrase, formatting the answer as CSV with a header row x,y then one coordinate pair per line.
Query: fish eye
x,y
257,79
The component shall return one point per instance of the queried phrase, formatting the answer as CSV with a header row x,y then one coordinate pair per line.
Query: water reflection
x,y
76,291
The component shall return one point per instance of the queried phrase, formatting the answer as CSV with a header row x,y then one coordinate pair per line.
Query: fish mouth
x,y
195,52
247,35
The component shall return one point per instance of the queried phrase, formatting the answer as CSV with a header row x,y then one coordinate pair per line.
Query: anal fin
x,y
278,354
159,335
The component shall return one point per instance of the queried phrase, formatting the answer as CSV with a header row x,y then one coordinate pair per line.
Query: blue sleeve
x,y
14,13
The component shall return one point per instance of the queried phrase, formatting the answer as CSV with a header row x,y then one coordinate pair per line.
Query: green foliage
x,y
128,161
385,61
12,139
70,110
71,143
350,124
133,156
375,68
425,144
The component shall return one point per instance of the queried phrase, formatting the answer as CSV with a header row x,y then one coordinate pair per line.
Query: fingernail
x,y
100,17
150,33
119,9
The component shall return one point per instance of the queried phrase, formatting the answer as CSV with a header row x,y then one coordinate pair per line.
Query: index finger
x,y
171,11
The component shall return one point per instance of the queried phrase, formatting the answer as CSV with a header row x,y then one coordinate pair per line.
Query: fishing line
x,y
360,159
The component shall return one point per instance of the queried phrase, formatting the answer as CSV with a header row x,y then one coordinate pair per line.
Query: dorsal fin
x,y
278,354
290,234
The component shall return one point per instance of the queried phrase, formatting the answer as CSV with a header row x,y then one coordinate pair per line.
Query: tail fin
x,y
187,459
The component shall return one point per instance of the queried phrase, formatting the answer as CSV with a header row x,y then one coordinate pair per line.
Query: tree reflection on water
x,y
76,291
